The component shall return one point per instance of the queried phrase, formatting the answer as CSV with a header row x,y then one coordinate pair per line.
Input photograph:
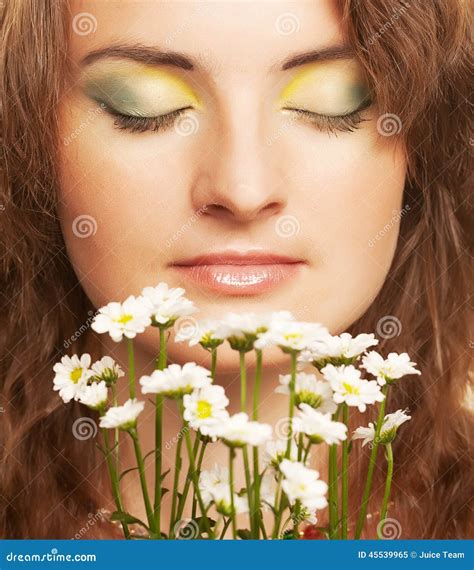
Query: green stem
x,y
175,486
256,469
160,365
187,484
213,363
226,526
370,471
141,471
333,491
300,446
277,507
114,480
306,452
388,485
333,477
198,469
297,516
131,367
345,476
192,464
116,432
243,382
231,484
248,484
291,411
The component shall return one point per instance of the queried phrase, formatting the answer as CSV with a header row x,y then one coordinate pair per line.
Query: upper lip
x,y
230,257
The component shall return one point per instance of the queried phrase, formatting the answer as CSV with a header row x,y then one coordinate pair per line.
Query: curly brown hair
x,y
416,56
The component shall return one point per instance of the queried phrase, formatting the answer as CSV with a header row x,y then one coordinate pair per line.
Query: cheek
x,y
116,200
353,199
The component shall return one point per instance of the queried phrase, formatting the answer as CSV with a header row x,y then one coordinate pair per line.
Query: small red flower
x,y
312,532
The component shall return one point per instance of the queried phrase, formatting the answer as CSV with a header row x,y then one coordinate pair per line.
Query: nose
x,y
240,177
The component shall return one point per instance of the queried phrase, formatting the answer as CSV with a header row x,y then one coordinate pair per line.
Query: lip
x,y
239,272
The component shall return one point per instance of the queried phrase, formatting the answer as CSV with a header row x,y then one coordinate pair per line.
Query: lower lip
x,y
240,279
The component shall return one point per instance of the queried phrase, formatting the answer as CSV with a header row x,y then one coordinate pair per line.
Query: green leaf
x,y
127,518
244,534
200,521
163,475
127,471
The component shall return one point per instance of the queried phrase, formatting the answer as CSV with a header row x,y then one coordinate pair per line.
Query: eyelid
x,y
138,90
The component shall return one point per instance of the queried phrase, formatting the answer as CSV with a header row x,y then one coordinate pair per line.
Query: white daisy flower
x,y
275,451
309,390
241,330
337,350
388,431
237,431
394,367
267,491
123,319
107,369
318,427
348,386
214,486
123,417
95,395
167,304
303,484
290,336
222,500
205,408
71,376
210,479
205,334
175,380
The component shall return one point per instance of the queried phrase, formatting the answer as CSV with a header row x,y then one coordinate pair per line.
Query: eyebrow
x,y
154,56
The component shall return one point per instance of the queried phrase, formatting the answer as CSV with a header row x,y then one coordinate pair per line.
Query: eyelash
x,y
135,124
325,123
332,124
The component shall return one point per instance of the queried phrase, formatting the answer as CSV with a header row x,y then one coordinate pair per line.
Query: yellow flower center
x,y
124,319
76,375
204,410
292,336
350,389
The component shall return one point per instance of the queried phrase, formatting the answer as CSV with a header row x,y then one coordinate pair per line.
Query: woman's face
x,y
229,148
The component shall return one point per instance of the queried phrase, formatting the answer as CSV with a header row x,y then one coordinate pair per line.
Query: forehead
x,y
241,36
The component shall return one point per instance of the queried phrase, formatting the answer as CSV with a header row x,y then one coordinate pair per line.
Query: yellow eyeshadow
x,y
139,90
328,88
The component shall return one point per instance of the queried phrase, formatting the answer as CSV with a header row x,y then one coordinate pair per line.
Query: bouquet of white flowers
x,y
278,478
